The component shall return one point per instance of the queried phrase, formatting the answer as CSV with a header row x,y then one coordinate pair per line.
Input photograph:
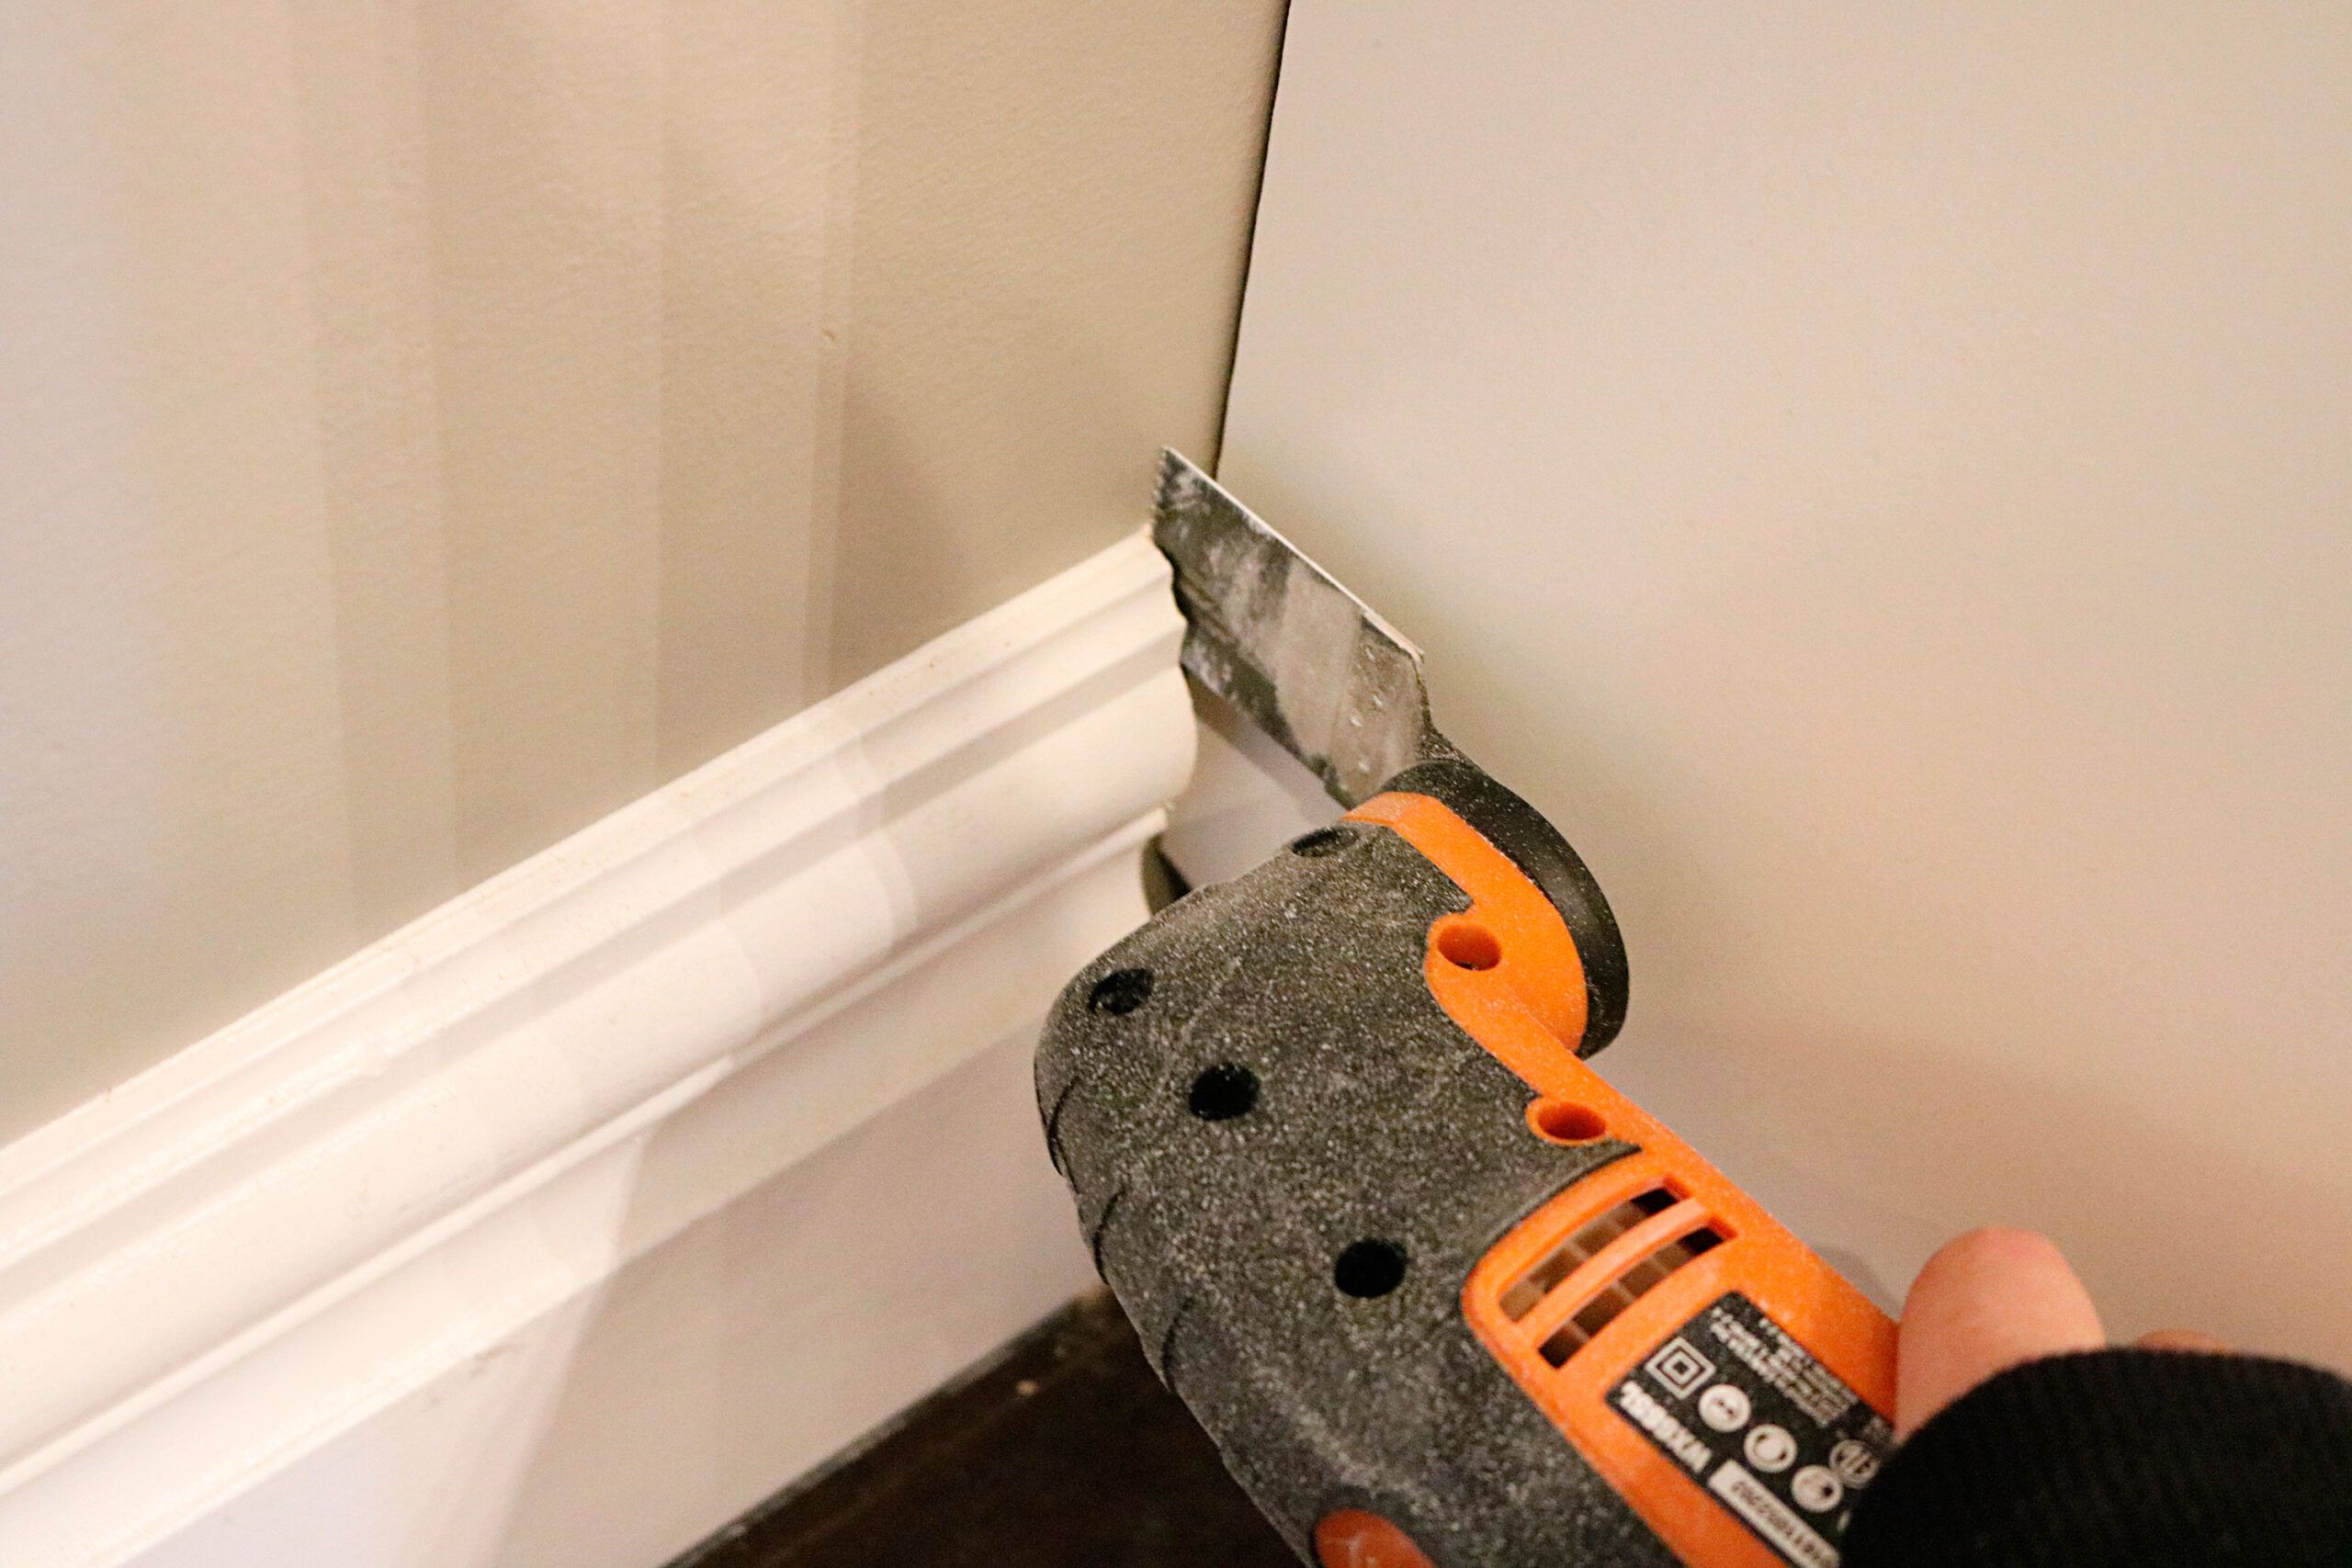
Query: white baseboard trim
x,y
476,1249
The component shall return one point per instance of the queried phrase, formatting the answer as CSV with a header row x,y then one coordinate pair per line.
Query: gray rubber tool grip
x,y
1287,1160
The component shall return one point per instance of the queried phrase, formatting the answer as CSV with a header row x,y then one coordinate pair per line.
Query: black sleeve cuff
x,y
2147,1458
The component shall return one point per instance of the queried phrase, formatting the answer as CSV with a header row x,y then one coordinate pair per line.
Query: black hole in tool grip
x,y
1323,842
1369,1269
1120,991
1223,1092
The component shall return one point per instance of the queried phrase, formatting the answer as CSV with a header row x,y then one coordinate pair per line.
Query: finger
x,y
2183,1339
1988,1301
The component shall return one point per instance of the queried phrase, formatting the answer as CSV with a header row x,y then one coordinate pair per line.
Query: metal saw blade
x,y
1273,633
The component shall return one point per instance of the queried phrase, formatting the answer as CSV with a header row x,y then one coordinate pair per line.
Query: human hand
x,y
1988,1301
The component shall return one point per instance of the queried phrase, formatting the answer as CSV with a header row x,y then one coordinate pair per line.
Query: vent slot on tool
x,y
1585,1269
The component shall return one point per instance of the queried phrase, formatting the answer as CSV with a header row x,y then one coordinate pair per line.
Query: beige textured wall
x,y
425,425
1880,476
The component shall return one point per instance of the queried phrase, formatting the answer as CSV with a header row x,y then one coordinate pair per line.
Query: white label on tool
x,y
1761,1422
1753,1501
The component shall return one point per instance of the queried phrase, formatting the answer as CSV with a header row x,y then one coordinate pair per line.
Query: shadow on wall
x,y
925,1205
1984,1150
443,424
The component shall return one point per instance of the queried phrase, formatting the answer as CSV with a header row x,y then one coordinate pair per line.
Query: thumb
x,y
1987,1301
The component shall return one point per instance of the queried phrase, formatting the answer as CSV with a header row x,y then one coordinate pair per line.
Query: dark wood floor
x,y
1066,1453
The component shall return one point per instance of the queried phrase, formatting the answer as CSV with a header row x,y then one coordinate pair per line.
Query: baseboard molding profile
x,y
566,1222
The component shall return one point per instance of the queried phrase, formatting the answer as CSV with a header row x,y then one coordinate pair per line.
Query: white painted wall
x,y
425,426
1882,477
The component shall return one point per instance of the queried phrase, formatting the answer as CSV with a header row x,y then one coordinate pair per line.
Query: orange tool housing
x,y
1572,1298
